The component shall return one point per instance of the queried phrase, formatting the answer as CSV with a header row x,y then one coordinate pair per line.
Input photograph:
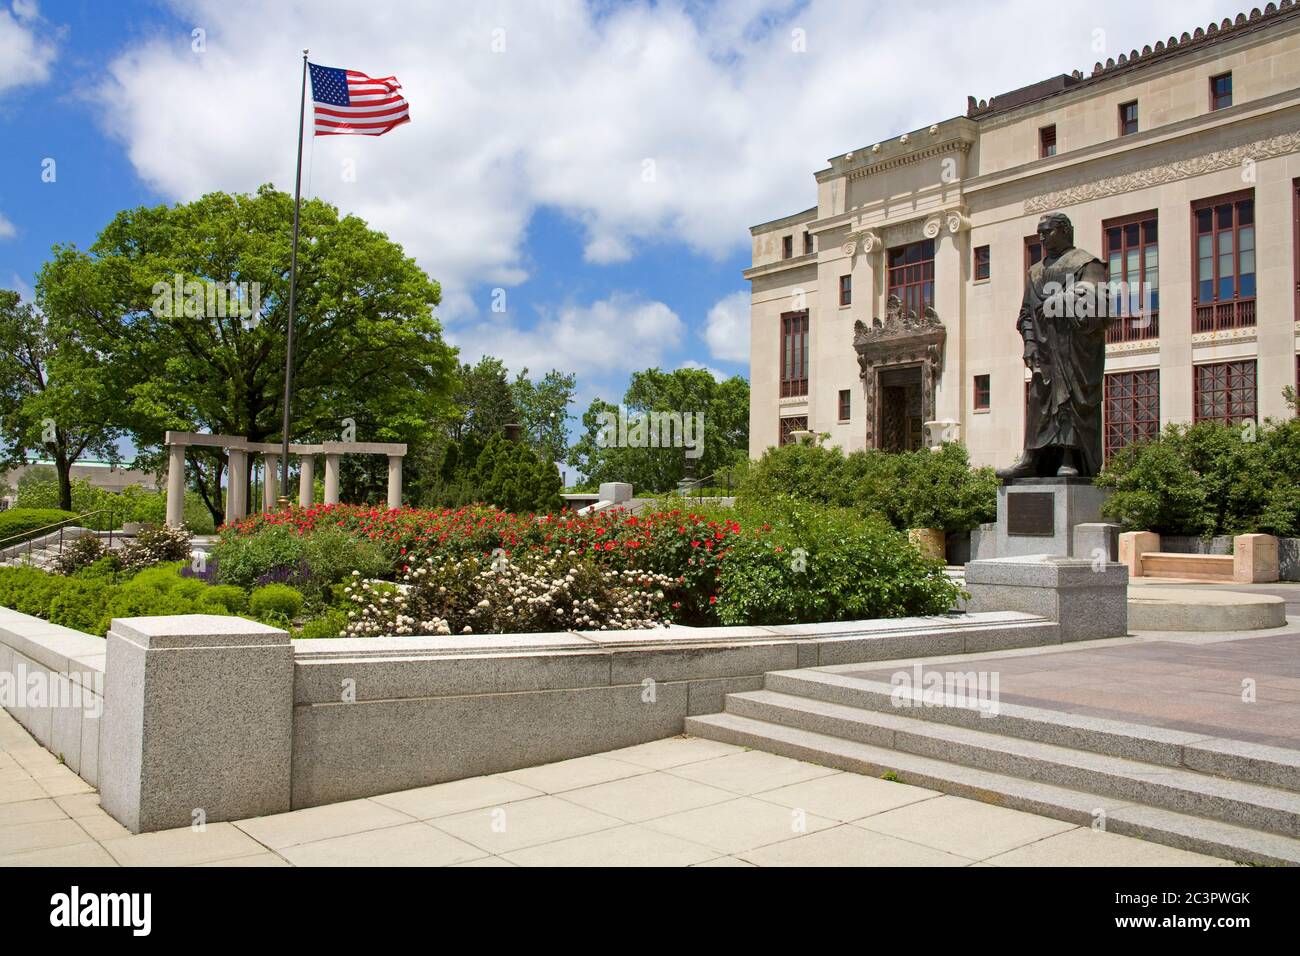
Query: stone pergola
x,y
238,449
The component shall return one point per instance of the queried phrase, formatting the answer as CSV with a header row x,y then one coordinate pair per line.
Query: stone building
x,y
892,302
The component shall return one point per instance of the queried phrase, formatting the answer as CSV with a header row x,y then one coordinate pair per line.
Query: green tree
x,y
600,456
55,396
484,400
543,408
367,347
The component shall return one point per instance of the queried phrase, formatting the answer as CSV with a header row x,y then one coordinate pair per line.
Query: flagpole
x,y
293,289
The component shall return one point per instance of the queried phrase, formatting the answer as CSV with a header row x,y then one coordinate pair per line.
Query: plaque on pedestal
x,y
1039,515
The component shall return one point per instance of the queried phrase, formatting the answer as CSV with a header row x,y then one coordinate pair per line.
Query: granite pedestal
x,y
1088,598
1039,515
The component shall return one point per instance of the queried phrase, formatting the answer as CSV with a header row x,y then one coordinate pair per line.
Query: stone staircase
x,y
43,553
1227,798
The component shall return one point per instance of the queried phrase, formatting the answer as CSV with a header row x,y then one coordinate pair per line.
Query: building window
x,y
1128,118
981,267
1132,409
1220,91
1225,392
794,423
911,275
787,247
982,393
1033,251
1132,256
1047,141
794,354
1224,228
846,290
845,404
807,243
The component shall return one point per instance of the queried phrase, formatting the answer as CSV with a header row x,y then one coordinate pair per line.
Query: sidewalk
x,y
676,802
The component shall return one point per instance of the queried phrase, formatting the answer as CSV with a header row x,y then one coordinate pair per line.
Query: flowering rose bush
x,y
536,592
686,547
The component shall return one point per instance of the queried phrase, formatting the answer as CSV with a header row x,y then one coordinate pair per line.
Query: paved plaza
x,y
676,802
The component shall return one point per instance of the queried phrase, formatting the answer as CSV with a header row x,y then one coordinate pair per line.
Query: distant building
x,y
100,474
1178,164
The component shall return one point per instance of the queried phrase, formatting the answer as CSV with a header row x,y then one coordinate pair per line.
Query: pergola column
x,y
306,480
236,485
332,479
176,486
270,489
394,481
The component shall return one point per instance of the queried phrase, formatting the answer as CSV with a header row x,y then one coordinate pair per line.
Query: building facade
x,y
885,315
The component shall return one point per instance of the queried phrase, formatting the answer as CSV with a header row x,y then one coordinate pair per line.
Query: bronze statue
x,y
1063,323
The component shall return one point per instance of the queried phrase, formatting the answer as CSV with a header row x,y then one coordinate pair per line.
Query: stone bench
x,y
1254,559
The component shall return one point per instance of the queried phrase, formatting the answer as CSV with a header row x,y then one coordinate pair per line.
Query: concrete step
x,y
1159,825
1222,757
1180,790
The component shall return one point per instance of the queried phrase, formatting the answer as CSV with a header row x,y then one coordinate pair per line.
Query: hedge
x,y
21,523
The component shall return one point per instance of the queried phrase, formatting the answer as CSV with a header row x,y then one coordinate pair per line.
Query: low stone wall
x,y
1288,550
52,681
218,718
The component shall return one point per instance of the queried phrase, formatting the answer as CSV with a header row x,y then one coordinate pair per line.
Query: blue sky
x,y
533,126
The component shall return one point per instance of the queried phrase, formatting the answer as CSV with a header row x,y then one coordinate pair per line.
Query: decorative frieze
x,y
1160,173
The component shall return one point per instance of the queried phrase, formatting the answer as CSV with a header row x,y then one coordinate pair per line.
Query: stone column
x,y
175,486
306,480
236,485
270,482
176,740
332,479
394,481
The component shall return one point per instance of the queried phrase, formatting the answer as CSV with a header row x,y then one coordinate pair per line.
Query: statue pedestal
x,y
1039,515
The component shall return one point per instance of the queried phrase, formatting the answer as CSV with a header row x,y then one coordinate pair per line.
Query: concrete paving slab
x,y
621,846
573,774
964,827
847,796
751,772
644,797
1085,846
850,846
314,824
183,846
673,752
458,796
524,823
412,844
739,825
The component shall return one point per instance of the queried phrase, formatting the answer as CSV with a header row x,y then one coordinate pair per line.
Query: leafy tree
x,y
484,398
725,440
56,397
543,408
366,345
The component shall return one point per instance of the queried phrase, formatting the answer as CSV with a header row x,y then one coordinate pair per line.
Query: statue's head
x,y
1057,233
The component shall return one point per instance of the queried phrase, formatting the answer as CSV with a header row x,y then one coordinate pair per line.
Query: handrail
x,y
698,484
30,536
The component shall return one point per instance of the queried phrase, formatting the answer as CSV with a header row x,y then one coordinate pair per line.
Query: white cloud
x,y
727,328
717,374
676,122
25,55
607,337
7,230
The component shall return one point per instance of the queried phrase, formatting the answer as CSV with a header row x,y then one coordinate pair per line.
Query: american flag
x,y
348,102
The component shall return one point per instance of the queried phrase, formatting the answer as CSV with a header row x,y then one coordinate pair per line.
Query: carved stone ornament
x,y
900,340
863,240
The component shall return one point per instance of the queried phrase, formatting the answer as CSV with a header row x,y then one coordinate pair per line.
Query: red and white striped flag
x,y
348,102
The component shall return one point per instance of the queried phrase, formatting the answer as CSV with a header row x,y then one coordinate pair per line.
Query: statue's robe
x,y
1067,355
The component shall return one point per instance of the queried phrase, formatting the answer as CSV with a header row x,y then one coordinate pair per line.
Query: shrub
x,y
107,568
225,599
20,524
534,593
29,590
81,603
85,551
132,503
331,555
330,624
278,601
241,559
1209,479
920,489
820,564
154,545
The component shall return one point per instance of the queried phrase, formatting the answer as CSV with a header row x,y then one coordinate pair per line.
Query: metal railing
x,y
698,485
30,538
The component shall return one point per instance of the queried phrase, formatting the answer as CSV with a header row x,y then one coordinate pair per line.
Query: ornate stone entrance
x,y
901,360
